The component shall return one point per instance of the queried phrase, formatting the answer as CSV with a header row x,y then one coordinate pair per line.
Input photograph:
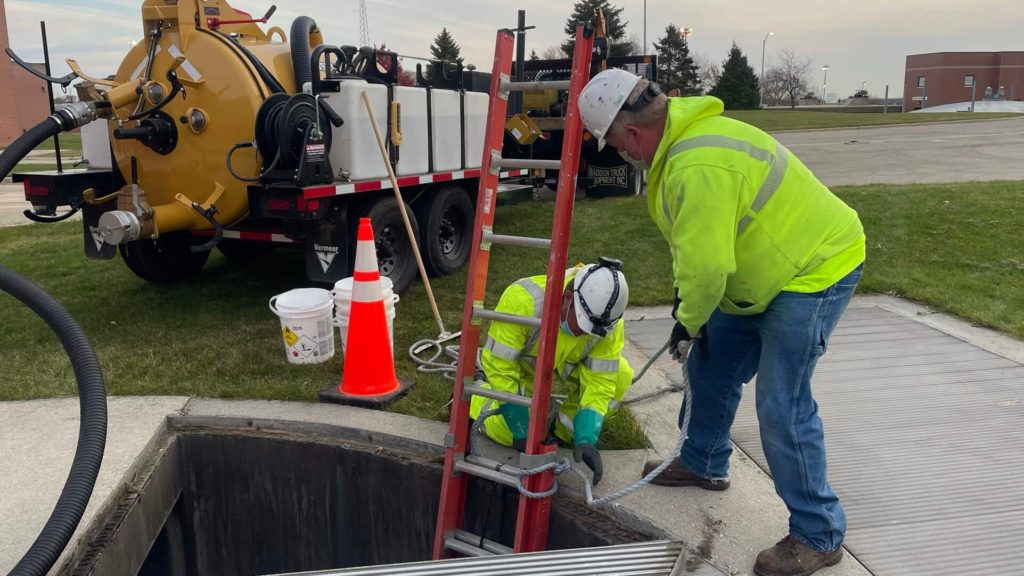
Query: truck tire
x,y
164,260
446,224
395,256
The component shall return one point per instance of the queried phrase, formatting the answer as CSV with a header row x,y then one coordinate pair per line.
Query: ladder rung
x,y
488,545
542,85
524,241
531,164
488,469
455,545
510,318
477,390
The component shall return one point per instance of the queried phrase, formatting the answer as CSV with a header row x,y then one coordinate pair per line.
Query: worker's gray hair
x,y
652,114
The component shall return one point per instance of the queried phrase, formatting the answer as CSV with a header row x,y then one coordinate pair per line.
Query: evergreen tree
x,y
676,69
737,86
615,28
533,55
446,49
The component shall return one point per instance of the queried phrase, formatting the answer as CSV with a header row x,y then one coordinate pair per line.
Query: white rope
x,y
432,365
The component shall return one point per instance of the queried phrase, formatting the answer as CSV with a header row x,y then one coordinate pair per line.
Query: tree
x,y
533,55
553,53
791,76
676,70
615,28
708,71
445,49
737,87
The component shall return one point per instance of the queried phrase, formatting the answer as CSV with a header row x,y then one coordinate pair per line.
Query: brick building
x,y
946,77
23,98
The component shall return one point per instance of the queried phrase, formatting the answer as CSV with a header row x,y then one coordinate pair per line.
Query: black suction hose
x,y
26,143
67,118
302,28
92,434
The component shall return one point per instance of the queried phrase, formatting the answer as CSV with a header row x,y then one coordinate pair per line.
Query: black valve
x,y
157,132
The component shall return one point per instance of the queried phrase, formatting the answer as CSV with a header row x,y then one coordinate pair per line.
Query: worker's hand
x,y
589,455
679,343
519,444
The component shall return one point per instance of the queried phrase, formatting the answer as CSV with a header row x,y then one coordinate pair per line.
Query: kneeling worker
x,y
588,357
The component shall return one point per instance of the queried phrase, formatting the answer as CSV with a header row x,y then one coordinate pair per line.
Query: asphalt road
x,y
919,153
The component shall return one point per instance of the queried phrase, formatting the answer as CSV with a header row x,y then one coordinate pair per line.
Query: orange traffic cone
x,y
368,377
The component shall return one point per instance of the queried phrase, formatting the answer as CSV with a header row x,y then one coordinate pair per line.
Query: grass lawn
x,y
956,247
68,142
769,120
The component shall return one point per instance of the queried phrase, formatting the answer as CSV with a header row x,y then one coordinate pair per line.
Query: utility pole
x,y
885,103
644,51
824,82
762,65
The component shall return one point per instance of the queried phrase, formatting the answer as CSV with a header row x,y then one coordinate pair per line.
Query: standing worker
x,y
765,260
588,356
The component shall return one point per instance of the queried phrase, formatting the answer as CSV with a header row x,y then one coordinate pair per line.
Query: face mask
x,y
639,164
564,325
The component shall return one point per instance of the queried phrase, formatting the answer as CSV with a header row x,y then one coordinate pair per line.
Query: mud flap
x,y
95,247
327,251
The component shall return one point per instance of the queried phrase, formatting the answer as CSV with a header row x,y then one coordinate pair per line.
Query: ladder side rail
x,y
453,485
532,518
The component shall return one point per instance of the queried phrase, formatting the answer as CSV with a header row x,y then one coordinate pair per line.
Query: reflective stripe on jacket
x,y
745,219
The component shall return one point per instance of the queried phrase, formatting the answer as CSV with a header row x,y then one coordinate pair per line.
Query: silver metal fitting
x,y
119,227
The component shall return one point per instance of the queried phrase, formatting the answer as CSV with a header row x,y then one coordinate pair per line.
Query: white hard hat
x,y
601,294
602,98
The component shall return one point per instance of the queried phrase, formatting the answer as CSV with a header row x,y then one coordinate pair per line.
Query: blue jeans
x,y
781,346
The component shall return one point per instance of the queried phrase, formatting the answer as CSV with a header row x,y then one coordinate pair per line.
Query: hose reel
x,y
293,136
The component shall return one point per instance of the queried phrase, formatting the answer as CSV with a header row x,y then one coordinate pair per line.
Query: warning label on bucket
x,y
290,337
306,346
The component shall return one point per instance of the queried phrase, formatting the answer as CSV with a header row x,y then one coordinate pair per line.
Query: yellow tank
x,y
223,92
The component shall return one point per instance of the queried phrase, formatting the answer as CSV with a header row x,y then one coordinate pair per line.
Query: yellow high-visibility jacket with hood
x,y
745,219
509,354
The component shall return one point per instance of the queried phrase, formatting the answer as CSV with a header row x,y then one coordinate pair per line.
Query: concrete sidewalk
x,y
37,440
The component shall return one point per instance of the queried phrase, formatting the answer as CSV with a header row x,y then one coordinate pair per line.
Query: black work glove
x,y
589,455
679,342
519,444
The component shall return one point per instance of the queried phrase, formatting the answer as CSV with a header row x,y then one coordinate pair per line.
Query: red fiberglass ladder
x,y
531,530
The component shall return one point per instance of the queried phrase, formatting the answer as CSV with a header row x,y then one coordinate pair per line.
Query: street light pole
x,y
762,65
824,82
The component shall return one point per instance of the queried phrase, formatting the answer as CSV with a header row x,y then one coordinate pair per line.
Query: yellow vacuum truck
x,y
218,131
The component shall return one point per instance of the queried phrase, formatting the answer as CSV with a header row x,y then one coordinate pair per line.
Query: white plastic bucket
x,y
306,326
342,295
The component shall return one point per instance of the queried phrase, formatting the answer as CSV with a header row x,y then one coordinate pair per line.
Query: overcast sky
x,y
861,40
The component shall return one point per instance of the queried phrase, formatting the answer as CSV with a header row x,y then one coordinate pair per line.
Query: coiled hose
x,y
92,434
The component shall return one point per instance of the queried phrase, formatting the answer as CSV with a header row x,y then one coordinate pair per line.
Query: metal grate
x,y
662,558
924,433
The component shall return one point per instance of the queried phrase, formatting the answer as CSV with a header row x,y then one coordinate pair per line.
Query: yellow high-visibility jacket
x,y
510,352
745,219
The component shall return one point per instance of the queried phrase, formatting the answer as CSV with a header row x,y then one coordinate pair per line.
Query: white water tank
x,y
446,125
354,147
476,127
413,153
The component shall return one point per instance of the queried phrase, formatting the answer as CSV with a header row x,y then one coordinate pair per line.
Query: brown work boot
x,y
676,475
790,557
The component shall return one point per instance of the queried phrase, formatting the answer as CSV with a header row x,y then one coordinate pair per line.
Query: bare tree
x,y
633,46
773,92
553,53
708,70
792,75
